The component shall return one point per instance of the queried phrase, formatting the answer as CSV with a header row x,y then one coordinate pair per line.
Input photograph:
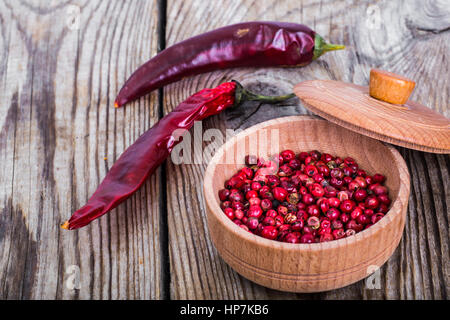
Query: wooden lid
x,y
409,125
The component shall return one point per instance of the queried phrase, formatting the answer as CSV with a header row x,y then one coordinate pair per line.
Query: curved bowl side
x,y
307,267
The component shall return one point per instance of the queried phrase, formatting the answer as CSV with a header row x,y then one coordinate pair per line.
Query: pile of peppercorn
x,y
305,198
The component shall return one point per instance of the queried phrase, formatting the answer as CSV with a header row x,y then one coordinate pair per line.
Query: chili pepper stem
x,y
245,95
321,46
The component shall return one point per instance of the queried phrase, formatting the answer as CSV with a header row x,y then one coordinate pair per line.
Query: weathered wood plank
x,y
59,136
392,35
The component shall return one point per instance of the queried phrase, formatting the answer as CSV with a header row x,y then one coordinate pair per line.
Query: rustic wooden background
x,y
59,134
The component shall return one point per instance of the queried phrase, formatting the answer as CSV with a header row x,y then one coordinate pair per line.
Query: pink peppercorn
x,y
308,198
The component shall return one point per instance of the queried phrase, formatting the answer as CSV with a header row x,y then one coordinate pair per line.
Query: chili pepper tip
x,y
116,104
65,225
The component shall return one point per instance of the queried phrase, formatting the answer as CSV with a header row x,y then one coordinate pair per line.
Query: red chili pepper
x,y
142,158
249,44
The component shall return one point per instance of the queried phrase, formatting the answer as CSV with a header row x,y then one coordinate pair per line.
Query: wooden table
x,y
63,62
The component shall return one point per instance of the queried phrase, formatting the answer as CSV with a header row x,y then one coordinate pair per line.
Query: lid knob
x,y
390,87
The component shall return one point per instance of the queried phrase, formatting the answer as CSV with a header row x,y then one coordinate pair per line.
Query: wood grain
x,y
59,136
411,39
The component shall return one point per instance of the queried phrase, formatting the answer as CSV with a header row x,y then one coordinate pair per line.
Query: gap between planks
x,y
163,223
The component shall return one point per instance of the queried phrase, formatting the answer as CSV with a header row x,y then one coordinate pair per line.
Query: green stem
x,y
245,95
321,46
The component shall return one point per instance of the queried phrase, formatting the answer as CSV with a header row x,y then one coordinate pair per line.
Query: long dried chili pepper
x,y
249,44
142,158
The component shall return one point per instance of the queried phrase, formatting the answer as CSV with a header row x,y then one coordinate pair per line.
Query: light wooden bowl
x,y
307,267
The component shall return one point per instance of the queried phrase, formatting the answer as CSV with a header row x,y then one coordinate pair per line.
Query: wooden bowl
x,y
307,267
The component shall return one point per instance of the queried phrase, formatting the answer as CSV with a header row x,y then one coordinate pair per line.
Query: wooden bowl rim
x,y
214,207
